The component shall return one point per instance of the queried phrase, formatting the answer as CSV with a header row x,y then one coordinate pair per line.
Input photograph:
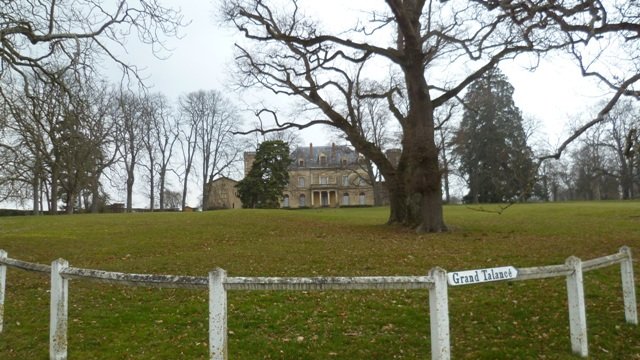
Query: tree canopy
x,y
48,39
263,186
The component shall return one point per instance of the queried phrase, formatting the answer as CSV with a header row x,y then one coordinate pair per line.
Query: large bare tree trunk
x,y
422,181
53,201
421,172
130,182
397,201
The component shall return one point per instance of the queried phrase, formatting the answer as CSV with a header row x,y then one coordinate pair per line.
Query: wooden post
x,y
59,311
439,313
577,311
217,315
628,287
3,286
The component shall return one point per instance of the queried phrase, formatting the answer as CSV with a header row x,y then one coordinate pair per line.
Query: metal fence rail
x,y
218,284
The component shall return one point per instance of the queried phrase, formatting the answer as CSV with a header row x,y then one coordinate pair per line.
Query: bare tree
x,y
372,118
188,129
289,136
603,157
58,43
296,56
166,135
18,179
90,143
149,142
158,139
597,32
130,132
216,121
621,134
42,39
444,136
173,199
103,132
34,125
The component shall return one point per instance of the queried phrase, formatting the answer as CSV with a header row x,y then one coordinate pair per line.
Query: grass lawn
x,y
519,320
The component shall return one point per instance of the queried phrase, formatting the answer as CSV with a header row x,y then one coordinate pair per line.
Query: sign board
x,y
481,275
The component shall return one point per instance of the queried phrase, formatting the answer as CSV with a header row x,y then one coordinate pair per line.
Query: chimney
x,y
333,151
310,151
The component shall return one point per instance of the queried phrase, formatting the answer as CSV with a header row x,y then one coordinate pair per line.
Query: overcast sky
x,y
202,59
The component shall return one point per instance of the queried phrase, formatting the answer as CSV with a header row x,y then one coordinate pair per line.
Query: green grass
x,y
519,320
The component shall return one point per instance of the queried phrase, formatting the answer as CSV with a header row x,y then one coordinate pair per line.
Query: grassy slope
x,y
522,320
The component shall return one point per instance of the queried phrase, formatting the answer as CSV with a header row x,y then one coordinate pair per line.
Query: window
x,y
324,180
301,181
301,201
285,201
323,160
300,162
363,199
345,180
344,162
345,199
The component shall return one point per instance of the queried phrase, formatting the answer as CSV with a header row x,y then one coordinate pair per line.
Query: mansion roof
x,y
323,156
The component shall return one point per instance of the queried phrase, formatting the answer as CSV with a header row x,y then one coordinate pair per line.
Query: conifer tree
x,y
263,186
491,143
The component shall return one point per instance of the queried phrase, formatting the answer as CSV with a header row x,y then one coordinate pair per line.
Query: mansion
x,y
319,176
324,176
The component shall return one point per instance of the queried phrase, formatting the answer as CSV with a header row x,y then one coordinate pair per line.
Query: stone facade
x,y
324,176
223,194
319,176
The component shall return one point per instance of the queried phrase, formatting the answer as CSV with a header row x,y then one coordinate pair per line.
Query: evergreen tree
x,y
263,186
491,143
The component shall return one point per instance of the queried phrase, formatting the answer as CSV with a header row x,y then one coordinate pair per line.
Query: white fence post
x,y
59,311
217,315
3,286
577,311
628,287
439,313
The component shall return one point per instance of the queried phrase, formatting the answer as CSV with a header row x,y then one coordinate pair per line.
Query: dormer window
x,y
301,162
323,160
344,162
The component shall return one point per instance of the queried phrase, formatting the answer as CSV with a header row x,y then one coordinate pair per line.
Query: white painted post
x,y
439,312
59,311
628,287
577,311
217,315
3,286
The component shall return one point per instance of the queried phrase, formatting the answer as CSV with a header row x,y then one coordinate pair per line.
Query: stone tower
x,y
249,157
394,156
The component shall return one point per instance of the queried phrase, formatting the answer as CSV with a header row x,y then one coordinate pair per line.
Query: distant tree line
x,y
603,164
490,150
70,147
68,138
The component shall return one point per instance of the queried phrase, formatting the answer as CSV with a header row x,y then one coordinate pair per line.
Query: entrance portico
x,y
324,198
